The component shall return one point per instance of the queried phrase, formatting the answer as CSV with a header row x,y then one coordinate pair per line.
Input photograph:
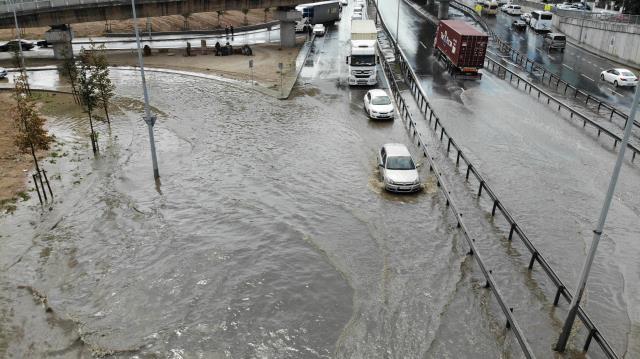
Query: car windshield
x,y
400,163
627,73
560,38
381,100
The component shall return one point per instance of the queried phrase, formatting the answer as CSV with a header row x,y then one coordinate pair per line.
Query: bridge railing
x,y
553,80
599,16
7,7
425,107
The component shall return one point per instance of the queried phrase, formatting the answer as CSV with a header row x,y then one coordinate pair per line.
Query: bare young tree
x,y
266,12
70,71
88,89
220,13
31,135
105,88
245,12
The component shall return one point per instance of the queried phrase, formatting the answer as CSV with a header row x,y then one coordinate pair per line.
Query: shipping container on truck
x,y
324,12
461,47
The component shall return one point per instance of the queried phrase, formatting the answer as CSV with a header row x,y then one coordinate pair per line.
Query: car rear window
x,y
546,17
627,73
560,38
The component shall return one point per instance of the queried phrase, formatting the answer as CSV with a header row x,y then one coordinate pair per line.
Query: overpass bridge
x,y
59,14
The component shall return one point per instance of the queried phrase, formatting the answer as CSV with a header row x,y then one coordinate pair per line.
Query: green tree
x,y
245,12
31,136
104,86
87,89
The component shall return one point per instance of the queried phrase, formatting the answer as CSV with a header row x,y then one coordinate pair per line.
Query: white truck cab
x,y
363,58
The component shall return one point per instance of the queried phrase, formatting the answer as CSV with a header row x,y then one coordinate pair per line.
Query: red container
x,y
462,44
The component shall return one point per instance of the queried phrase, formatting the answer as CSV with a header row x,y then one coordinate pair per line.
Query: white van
x,y
513,9
541,20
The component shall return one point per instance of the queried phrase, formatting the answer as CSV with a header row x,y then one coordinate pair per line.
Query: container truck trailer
x,y
461,47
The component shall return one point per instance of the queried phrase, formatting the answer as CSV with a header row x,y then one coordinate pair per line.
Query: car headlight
x,y
374,111
390,181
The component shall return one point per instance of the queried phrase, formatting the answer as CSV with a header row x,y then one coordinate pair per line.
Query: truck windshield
x,y
400,163
363,60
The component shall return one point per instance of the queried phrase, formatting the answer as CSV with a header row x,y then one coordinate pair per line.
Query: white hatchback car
x,y
398,171
3,72
319,30
619,77
378,105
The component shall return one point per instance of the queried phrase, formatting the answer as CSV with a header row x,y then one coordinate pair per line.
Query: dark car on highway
x,y
13,44
519,25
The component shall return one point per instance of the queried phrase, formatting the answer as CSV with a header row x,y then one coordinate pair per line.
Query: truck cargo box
x,y
363,30
463,45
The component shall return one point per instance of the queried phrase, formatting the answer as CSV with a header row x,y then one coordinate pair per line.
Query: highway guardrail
x,y
413,82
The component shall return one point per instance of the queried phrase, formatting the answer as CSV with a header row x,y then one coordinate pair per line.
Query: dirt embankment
x,y
201,21
15,166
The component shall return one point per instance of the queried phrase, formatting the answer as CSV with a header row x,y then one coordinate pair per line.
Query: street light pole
x,y
148,117
597,233
398,25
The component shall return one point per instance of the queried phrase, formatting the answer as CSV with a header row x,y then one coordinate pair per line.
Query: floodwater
x,y
269,235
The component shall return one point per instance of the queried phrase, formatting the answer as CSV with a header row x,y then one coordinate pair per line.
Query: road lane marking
x,y
567,66
619,94
423,45
583,75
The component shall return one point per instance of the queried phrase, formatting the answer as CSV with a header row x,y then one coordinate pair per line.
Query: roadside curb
x,y
219,31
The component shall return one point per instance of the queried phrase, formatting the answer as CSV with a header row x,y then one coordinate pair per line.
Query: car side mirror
x,y
347,60
418,165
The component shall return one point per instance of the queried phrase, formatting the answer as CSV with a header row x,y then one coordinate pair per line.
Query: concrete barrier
x,y
618,42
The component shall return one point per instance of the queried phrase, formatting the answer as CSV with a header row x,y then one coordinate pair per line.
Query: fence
x,y
490,281
554,81
599,16
6,6
427,110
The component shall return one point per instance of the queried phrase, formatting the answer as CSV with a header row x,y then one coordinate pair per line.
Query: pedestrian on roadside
x,y
231,32
226,31
309,30
218,48
229,48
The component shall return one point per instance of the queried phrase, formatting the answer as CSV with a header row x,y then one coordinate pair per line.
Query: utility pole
x,y
398,25
148,117
597,233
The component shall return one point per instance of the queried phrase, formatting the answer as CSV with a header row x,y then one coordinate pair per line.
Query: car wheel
x,y
602,77
615,83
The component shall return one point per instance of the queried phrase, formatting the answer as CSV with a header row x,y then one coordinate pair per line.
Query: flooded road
x,y
550,173
269,235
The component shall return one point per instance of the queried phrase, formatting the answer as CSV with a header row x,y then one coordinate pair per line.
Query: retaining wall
x,y
619,42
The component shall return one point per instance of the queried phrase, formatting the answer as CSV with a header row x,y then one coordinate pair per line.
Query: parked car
x,y
13,44
3,72
42,43
319,29
526,17
378,104
619,77
503,2
554,40
519,25
398,171
513,9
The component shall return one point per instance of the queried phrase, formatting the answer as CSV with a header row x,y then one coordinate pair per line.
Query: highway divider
x,y
410,125
531,66
413,83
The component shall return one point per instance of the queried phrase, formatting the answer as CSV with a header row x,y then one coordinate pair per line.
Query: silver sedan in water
x,y
398,170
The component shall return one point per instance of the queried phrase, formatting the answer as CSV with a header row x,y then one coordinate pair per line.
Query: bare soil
x,y
200,21
14,165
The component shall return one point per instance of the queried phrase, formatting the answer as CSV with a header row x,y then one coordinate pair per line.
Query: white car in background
x,y
378,105
398,171
3,72
319,30
619,77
